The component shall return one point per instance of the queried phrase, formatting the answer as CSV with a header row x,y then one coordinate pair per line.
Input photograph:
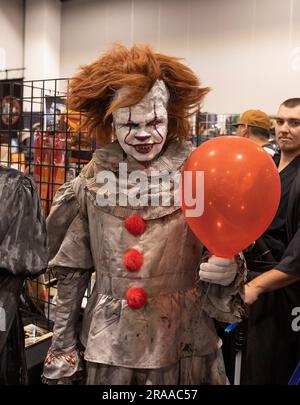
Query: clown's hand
x,y
218,270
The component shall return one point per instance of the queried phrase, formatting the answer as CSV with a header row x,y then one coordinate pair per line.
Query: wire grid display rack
x,y
41,137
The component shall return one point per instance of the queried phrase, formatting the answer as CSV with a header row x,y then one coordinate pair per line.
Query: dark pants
x,y
272,349
12,350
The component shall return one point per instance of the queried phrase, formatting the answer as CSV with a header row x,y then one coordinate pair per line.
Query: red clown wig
x,y
136,68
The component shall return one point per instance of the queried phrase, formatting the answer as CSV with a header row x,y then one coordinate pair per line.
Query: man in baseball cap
x,y
256,125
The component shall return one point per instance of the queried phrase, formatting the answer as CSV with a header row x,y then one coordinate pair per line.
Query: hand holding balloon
x,y
218,270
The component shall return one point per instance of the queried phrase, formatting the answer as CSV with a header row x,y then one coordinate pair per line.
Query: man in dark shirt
x,y
273,342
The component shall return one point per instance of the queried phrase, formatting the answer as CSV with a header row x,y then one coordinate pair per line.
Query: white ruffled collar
x,y
109,157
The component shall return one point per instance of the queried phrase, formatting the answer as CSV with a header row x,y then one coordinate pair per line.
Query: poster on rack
x,y
11,106
55,107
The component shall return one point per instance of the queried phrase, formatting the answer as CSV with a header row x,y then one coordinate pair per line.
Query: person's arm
x,y
266,282
71,260
285,273
64,361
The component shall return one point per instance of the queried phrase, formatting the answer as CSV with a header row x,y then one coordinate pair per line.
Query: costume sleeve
x,y
23,243
71,260
64,359
290,260
226,304
68,231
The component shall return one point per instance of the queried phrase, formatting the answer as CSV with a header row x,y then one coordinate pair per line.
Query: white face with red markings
x,y
142,129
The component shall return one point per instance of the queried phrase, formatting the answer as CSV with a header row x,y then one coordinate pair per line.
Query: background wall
x,y
11,37
248,51
42,39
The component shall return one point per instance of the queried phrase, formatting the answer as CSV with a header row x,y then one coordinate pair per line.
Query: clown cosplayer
x,y
149,317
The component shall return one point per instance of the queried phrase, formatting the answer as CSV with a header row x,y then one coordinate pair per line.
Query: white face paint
x,y
142,129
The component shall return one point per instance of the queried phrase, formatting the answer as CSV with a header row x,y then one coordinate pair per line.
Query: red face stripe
x,y
155,118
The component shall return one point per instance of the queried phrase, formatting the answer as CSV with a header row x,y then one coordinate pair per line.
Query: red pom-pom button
x,y
136,297
135,225
133,260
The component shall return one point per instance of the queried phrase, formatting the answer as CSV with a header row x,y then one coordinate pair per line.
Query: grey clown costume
x,y
172,338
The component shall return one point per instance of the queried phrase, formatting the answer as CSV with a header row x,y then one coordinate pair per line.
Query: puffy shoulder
x,y
23,248
68,234
64,209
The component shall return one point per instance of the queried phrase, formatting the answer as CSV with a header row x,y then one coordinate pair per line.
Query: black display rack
x,y
42,138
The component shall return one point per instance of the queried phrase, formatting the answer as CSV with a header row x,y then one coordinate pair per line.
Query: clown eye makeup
x,y
134,125
129,125
154,122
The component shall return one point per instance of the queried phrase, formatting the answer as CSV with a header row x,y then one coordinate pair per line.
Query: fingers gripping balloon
x,y
241,193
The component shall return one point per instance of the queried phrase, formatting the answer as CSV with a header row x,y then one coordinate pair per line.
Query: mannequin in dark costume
x,y
273,346
23,252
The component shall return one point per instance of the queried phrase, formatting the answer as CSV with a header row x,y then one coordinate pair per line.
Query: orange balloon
x,y
241,193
